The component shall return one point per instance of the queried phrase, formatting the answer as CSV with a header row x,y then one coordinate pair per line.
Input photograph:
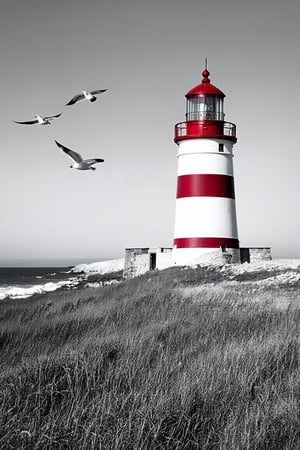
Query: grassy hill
x,y
178,359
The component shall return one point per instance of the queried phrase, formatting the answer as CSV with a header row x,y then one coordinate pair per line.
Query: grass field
x,y
177,359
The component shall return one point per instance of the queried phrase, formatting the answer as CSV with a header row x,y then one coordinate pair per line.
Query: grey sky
x,y
148,55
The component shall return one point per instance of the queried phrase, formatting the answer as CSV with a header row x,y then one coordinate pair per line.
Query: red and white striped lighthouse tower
x,y
205,217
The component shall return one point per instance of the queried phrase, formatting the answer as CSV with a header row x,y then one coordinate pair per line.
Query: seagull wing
x,y
75,99
98,91
52,117
94,160
75,156
30,122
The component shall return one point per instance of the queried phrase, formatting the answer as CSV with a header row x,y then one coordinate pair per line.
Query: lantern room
x,y
205,101
205,114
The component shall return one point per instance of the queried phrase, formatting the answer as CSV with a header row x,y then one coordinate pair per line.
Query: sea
x,y
23,282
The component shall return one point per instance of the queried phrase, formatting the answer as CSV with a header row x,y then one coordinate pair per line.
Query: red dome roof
x,y
205,88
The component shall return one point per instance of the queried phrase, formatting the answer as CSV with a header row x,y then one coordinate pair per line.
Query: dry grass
x,y
157,362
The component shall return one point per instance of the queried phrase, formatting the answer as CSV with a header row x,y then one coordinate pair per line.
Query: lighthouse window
x,y
204,108
209,107
221,148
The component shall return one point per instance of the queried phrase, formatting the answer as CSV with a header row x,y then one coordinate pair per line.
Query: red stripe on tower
x,y
206,242
206,185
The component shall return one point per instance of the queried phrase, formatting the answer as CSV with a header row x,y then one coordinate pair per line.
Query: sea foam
x,y
15,292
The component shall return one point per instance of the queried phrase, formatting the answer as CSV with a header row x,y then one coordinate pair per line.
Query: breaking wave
x,y
15,292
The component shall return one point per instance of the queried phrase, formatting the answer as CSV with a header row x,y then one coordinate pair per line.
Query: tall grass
x,y
178,359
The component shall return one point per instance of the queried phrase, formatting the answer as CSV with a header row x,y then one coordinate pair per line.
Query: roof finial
x,y
205,74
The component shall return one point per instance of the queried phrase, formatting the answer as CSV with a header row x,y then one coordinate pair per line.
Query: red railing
x,y
205,129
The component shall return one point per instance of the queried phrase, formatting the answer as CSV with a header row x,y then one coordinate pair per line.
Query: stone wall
x,y
164,258
136,262
255,254
260,254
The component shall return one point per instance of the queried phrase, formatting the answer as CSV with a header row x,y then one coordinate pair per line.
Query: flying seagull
x,y
80,163
40,120
85,95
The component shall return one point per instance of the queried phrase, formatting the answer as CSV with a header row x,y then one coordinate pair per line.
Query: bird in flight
x,y
80,163
40,120
85,95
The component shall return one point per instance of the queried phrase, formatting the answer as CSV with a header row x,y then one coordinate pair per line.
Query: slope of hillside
x,y
203,358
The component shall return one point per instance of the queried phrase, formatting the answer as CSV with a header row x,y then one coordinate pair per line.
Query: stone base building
x,y
140,260
143,259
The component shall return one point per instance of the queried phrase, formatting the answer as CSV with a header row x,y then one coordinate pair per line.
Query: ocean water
x,y
23,282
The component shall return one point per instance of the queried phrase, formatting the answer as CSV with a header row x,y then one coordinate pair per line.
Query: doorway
x,y
152,261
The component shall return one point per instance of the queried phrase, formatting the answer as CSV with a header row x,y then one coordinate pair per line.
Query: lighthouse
x,y
205,212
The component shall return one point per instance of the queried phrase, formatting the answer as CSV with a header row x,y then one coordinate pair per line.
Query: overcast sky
x,y
148,55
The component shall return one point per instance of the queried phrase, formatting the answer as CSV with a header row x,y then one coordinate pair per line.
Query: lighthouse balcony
x,y
194,129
